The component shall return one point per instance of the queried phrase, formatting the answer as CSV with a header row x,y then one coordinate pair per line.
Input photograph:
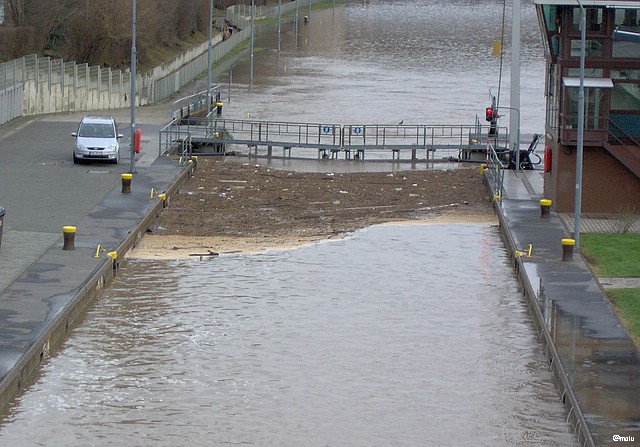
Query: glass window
x,y
625,96
551,18
626,75
594,19
552,23
626,90
625,49
593,48
594,108
626,19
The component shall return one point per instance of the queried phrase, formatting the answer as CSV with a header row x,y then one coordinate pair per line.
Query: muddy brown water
x,y
398,335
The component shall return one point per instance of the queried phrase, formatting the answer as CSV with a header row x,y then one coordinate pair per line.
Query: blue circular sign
x,y
326,129
357,130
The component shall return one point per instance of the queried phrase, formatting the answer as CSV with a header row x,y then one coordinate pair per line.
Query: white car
x,y
97,139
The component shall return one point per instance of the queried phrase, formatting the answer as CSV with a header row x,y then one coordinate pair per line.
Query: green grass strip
x,y
612,255
627,304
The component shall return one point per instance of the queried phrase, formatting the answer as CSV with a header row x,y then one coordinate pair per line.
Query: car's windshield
x,y
96,130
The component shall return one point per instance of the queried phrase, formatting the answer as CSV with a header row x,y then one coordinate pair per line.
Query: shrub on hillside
x,y
95,32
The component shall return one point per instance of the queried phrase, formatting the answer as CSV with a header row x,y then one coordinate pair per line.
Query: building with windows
x,y
611,166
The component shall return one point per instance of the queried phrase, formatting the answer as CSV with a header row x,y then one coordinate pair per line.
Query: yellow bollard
x,y
482,168
219,108
69,234
126,183
567,249
163,197
545,208
113,255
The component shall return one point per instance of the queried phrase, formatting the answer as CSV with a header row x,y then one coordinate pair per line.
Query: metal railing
x,y
168,84
452,140
10,103
620,136
429,137
274,133
195,106
494,172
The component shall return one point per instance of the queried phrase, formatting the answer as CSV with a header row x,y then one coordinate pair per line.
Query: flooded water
x,y
387,61
425,62
397,336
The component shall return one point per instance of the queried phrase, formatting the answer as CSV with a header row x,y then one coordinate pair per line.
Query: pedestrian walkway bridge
x,y
215,136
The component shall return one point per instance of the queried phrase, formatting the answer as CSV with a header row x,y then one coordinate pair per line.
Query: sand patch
x,y
167,247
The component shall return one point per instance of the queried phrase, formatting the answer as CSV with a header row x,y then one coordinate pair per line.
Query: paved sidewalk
x,y
596,363
619,283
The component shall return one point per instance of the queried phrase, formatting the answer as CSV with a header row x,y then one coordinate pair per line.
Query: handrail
x,y
196,103
494,172
624,133
332,136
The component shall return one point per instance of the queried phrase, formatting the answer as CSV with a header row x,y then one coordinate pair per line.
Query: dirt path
x,y
233,205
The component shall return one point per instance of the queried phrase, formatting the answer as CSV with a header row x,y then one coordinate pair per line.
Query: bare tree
x,y
96,32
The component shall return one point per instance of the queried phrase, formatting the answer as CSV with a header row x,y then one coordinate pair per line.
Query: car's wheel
x,y
116,160
76,160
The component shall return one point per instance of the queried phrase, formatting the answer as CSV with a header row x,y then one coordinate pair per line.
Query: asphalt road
x,y
42,189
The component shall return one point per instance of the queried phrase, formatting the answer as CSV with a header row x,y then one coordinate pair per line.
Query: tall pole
x,y
279,24
515,80
132,99
580,143
296,33
253,3
209,57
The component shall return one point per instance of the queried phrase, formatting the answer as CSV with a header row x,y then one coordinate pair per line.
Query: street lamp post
x,y
209,57
253,3
279,25
580,143
132,99
515,76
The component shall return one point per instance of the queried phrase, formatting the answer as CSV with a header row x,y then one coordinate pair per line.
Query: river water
x,y
412,335
386,61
